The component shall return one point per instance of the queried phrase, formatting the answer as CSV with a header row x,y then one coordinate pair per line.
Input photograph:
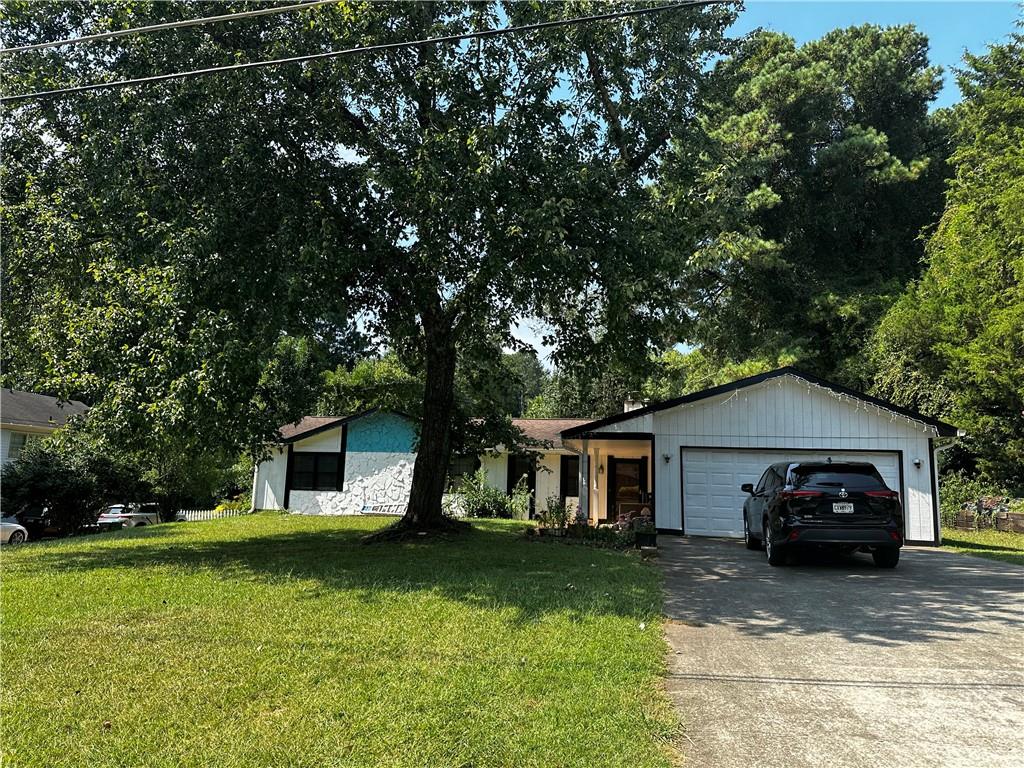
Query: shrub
x,y
555,514
63,484
519,501
477,499
956,489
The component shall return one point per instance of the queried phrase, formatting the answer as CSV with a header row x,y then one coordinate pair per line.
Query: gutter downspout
x,y
936,450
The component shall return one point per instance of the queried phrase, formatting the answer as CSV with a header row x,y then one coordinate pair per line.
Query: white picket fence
x,y
196,515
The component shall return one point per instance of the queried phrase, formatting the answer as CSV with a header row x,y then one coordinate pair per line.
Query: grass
x,y
277,640
995,545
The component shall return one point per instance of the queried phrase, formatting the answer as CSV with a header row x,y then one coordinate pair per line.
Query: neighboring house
x,y
682,459
26,416
340,465
691,454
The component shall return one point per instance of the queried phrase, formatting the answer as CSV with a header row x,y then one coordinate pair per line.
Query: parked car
x,y
842,505
41,524
130,515
11,532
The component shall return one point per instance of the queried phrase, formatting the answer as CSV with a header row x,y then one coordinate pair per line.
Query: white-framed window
x,y
17,443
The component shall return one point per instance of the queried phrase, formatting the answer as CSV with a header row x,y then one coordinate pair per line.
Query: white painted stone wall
x,y
371,478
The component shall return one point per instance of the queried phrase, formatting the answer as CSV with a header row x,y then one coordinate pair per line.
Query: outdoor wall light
x,y
667,457
917,463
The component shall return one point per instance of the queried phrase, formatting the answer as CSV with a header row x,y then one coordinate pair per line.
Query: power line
x,y
167,25
487,33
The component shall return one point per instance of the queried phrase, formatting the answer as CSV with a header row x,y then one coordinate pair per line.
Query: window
x,y
18,442
570,477
854,478
315,471
461,466
763,482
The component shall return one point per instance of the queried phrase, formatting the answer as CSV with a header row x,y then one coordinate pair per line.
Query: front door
x,y
520,466
627,486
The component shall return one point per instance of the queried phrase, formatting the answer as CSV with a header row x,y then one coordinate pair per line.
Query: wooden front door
x,y
627,486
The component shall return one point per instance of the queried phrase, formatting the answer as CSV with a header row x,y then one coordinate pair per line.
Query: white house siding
x,y
496,467
785,413
548,475
268,487
548,478
379,463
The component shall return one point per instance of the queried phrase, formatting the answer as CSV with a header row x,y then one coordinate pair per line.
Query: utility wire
x,y
487,33
167,25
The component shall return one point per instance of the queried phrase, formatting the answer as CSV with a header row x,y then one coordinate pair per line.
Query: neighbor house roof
x,y
943,429
547,431
28,409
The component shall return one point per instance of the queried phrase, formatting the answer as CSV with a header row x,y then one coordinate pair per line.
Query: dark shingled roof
x,y
32,410
289,432
546,430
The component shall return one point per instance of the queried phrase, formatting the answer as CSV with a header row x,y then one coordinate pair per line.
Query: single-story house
x,y
682,459
27,416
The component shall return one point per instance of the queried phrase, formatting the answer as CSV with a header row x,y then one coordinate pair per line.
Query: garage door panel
x,y
712,499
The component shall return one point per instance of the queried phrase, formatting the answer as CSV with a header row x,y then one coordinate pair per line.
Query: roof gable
x,y
941,427
308,426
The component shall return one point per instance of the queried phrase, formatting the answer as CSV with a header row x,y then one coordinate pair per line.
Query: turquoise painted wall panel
x,y
381,433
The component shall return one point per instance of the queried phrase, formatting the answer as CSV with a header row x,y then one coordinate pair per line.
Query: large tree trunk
x,y
424,512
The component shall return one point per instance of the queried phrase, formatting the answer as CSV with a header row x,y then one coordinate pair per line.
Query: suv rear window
x,y
836,476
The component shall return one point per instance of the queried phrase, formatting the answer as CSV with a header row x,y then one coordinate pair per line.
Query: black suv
x,y
845,505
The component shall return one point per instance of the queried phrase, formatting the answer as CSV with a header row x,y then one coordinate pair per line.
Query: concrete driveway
x,y
838,663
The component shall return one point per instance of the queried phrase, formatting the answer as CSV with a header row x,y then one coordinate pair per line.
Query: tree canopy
x,y
953,345
820,168
181,253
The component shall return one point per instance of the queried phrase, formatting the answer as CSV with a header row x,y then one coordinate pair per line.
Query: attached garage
x,y
703,446
712,499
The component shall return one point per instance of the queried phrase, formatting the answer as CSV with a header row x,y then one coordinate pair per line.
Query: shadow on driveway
x,y
930,595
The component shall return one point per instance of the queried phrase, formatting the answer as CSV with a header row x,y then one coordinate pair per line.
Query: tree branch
x,y
611,110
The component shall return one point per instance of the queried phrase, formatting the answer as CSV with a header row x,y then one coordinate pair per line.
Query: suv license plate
x,y
843,507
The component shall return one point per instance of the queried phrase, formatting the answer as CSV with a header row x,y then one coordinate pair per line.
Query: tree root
x,y
407,529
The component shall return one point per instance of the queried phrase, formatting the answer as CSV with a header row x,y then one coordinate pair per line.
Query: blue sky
x,y
951,27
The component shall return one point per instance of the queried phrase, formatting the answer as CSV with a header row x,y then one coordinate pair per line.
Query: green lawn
x,y
997,545
278,640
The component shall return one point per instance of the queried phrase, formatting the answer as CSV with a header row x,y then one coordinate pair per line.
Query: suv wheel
x,y
17,537
886,558
748,538
775,557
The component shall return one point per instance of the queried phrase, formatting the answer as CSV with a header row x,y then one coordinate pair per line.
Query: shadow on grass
x,y
497,569
948,541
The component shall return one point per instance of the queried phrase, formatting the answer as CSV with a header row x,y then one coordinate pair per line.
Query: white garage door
x,y
712,499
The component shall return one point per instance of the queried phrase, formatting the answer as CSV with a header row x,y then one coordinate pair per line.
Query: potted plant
x,y
644,532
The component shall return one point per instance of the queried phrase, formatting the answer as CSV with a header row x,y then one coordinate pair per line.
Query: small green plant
x,y
234,505
554,515
475,498
519,501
